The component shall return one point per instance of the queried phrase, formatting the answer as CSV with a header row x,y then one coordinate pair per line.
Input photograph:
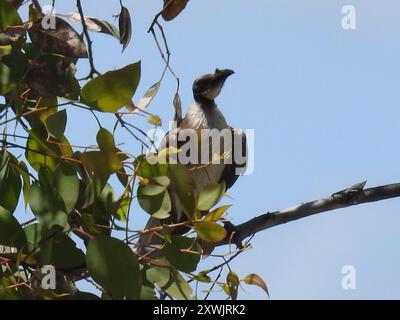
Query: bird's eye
x,y
217,71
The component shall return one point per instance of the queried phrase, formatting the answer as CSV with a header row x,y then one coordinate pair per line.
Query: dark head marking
x,y
206,88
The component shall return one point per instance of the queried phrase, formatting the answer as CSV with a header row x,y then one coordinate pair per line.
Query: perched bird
x,y
204,115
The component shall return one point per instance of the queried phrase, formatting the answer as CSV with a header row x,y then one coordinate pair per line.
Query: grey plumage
x,y
203,114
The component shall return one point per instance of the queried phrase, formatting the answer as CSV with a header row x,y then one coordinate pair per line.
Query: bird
x,y
204,114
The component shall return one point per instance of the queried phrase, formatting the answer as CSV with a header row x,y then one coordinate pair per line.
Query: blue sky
x,y
325,107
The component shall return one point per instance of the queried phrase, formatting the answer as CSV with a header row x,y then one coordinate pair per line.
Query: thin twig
x,y
93,70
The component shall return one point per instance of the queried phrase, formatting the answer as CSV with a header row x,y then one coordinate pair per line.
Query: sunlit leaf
x,y
152,190
105,140
8,15
146,169
210,231
154,120
123,207
232,280
202,277
254,279
39,153
216,214
112,90
210,195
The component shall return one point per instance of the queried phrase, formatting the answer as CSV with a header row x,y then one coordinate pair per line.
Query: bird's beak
x,y
224,73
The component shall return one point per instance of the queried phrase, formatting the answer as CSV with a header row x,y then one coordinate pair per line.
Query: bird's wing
x,y
171,137
239,156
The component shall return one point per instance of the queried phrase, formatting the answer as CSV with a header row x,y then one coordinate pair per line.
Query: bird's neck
x,y
206,116
204,102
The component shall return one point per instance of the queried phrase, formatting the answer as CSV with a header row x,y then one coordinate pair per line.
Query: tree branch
x,y
342,199
93,70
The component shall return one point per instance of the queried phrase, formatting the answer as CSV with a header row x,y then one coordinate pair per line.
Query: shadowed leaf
x,y
56,124
63,40
113,265
125,27
172,10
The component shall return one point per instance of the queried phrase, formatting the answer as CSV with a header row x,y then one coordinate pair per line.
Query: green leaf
x,y
158,205
101,164
152,190
232,280
125,27
47,205
171,282
10,182
154,120
202,277
210,195
123,207
184,261
53,247
8,15
216,214
210,231
56,124
148,293
66,183
39,153
162,181
146,169
113,265
12,69
182,184
11,233
112,90
105,140
256,280
23,170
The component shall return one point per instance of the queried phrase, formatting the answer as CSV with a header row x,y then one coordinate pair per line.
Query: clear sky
x,y
325,106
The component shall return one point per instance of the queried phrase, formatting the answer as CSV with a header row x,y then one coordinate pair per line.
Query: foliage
x,y
69,188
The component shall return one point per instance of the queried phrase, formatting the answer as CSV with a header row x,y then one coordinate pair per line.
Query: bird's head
x,y
206,88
